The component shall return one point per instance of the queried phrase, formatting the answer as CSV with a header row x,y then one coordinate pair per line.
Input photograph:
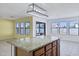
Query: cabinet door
x,y
39,52
54,43
49,52
49,46
56,48
21,52
54,51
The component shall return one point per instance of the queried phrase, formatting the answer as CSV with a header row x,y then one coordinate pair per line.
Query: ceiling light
x,y
36,10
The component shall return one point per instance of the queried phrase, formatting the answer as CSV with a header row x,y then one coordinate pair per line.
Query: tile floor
x,y
69,48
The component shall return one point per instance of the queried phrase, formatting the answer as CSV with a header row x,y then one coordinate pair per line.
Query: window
x,y
68,26
76,26
73,28
55,28
59,28
17,28
27,28
23,28
63,27
40,28
54,25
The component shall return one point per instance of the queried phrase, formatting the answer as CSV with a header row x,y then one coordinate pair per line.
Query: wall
x,y
49,27
6,31
34,24
6,49
6,27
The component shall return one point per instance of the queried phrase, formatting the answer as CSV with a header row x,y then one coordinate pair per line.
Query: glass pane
x,y
17,31
22,25
17,24
37,25
37,30
76,25
27,31
54,25
62,25
22,31
27,25
73,28
41,30
73,31
54,31
63,31
72,25
42,25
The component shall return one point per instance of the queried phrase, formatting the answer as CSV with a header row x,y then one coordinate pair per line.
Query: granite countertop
x,y
30,44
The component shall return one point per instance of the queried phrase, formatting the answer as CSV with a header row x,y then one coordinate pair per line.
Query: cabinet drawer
x,y
39,52
54,43
49,53
49,46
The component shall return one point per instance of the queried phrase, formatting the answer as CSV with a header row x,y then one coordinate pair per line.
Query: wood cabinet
x,y
21,52
50,49
49,52
39,52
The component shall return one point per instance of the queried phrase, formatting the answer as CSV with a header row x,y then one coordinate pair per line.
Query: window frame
x,y
39,28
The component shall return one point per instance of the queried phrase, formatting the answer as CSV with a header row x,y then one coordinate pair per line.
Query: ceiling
x,y
55,10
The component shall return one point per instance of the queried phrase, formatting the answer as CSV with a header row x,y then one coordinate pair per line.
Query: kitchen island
x,y
46,46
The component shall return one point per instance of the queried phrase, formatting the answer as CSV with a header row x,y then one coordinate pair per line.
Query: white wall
x,y
49,27
34,24
6,49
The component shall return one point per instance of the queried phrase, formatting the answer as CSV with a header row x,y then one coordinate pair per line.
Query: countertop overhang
x,y
30,44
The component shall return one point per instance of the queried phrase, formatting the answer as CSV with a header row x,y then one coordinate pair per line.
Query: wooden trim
x,y
58,47
52,49
33,53
45,50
